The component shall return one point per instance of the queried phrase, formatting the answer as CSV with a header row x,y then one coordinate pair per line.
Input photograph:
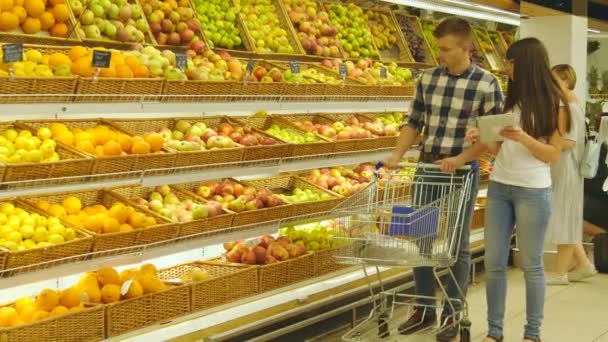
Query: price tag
x,y
101,59
343,70
383,72
181,61
12,53
250,66
125,287
294,66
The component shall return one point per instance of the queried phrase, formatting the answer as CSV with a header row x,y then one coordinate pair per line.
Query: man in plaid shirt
x,y
448,100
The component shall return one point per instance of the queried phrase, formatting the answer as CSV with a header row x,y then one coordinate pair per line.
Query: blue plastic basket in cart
x,y
417,223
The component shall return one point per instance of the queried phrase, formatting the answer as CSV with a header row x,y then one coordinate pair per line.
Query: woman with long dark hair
x,y
519,193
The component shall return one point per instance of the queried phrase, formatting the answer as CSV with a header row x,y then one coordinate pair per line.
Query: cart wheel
x,y
465,334
383,331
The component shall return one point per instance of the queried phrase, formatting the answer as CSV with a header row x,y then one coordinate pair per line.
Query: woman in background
x,y
566,223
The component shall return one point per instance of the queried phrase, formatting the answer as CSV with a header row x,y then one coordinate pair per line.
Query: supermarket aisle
x,y
585,301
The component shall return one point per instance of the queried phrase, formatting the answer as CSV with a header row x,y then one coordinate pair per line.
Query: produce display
x,y
291,135
353,33
38,64
166,203
352,128
342,180
219,24
102,140
98,218
314,236
317,35
368,72
237,197
21,229
36,16
416,43
261,19
382,28
428,27
172,22
304,195
266,251
20,146
195,137
116,20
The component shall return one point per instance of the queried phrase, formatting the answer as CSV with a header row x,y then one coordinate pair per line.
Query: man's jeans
x,y
423,276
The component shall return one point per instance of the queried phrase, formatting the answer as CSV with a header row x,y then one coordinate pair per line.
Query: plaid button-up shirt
x,y
446,104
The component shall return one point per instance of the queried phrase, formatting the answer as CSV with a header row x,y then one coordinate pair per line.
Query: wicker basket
x,y
115,164
149,309
417,26
261,88
291,36
102,242
79,326
190,90
322,147
113,89
194,158
227,283
246,46
287,183
72,163
244,217
315,88
400,51
325,261
40,89
263,152
493,58
186,228
81,245
368,144
284,273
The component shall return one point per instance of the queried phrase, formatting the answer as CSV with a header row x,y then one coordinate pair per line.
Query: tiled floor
x,y
587,302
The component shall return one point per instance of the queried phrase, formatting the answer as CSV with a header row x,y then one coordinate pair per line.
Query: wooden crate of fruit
x,y
342,180
218,150
214,283
266,78
302,143
418,45
264,147
485,44
146,300
41,249
229,191
85,324
39,22
194,220
135,226
309,122
233,38
387,37
190,90
283,273
391,122
174,26
114,89
111,145
288,45
54,160
286,187
316,80
499,43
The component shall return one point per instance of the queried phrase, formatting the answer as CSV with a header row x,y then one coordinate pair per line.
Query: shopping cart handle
x,y
379,165
424,166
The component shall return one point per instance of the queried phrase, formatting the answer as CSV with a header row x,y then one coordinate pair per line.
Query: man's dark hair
x,y
455,26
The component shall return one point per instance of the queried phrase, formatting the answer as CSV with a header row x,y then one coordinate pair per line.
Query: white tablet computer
x,y
491,125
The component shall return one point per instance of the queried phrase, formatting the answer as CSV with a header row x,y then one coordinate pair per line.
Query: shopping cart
x,y
407,218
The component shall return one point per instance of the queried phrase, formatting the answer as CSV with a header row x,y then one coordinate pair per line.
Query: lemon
x,y
33,56
7,208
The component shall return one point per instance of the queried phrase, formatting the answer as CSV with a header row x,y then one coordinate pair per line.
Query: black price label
x,y
181,61
12,53
383,72
294,66
101,59
343,70
250,66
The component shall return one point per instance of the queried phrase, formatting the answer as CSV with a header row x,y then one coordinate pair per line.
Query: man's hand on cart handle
x,y
450,165
392,162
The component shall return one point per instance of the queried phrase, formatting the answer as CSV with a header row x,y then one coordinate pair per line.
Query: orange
x,y
59,310
99,150
19,2
66,137
141,71
8,21
137,220
117,58
86,146
82,67
132,62
111,148
125,142
155,140
107,275
110,293
93,224
31,26
8,316
108,72
150,221
140,147
125,227
61,12
56,210
58,58
57,127
119,211
123,71
56,2
77,52
60,30
70,297
101,134
72,205
80,135
6,5
34,8
21,13
47,299
43,205
47,20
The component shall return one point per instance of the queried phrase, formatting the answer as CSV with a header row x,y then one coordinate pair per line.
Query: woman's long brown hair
x,y
534,89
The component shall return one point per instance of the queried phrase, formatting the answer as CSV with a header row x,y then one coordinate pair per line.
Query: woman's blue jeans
x,y
528,209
